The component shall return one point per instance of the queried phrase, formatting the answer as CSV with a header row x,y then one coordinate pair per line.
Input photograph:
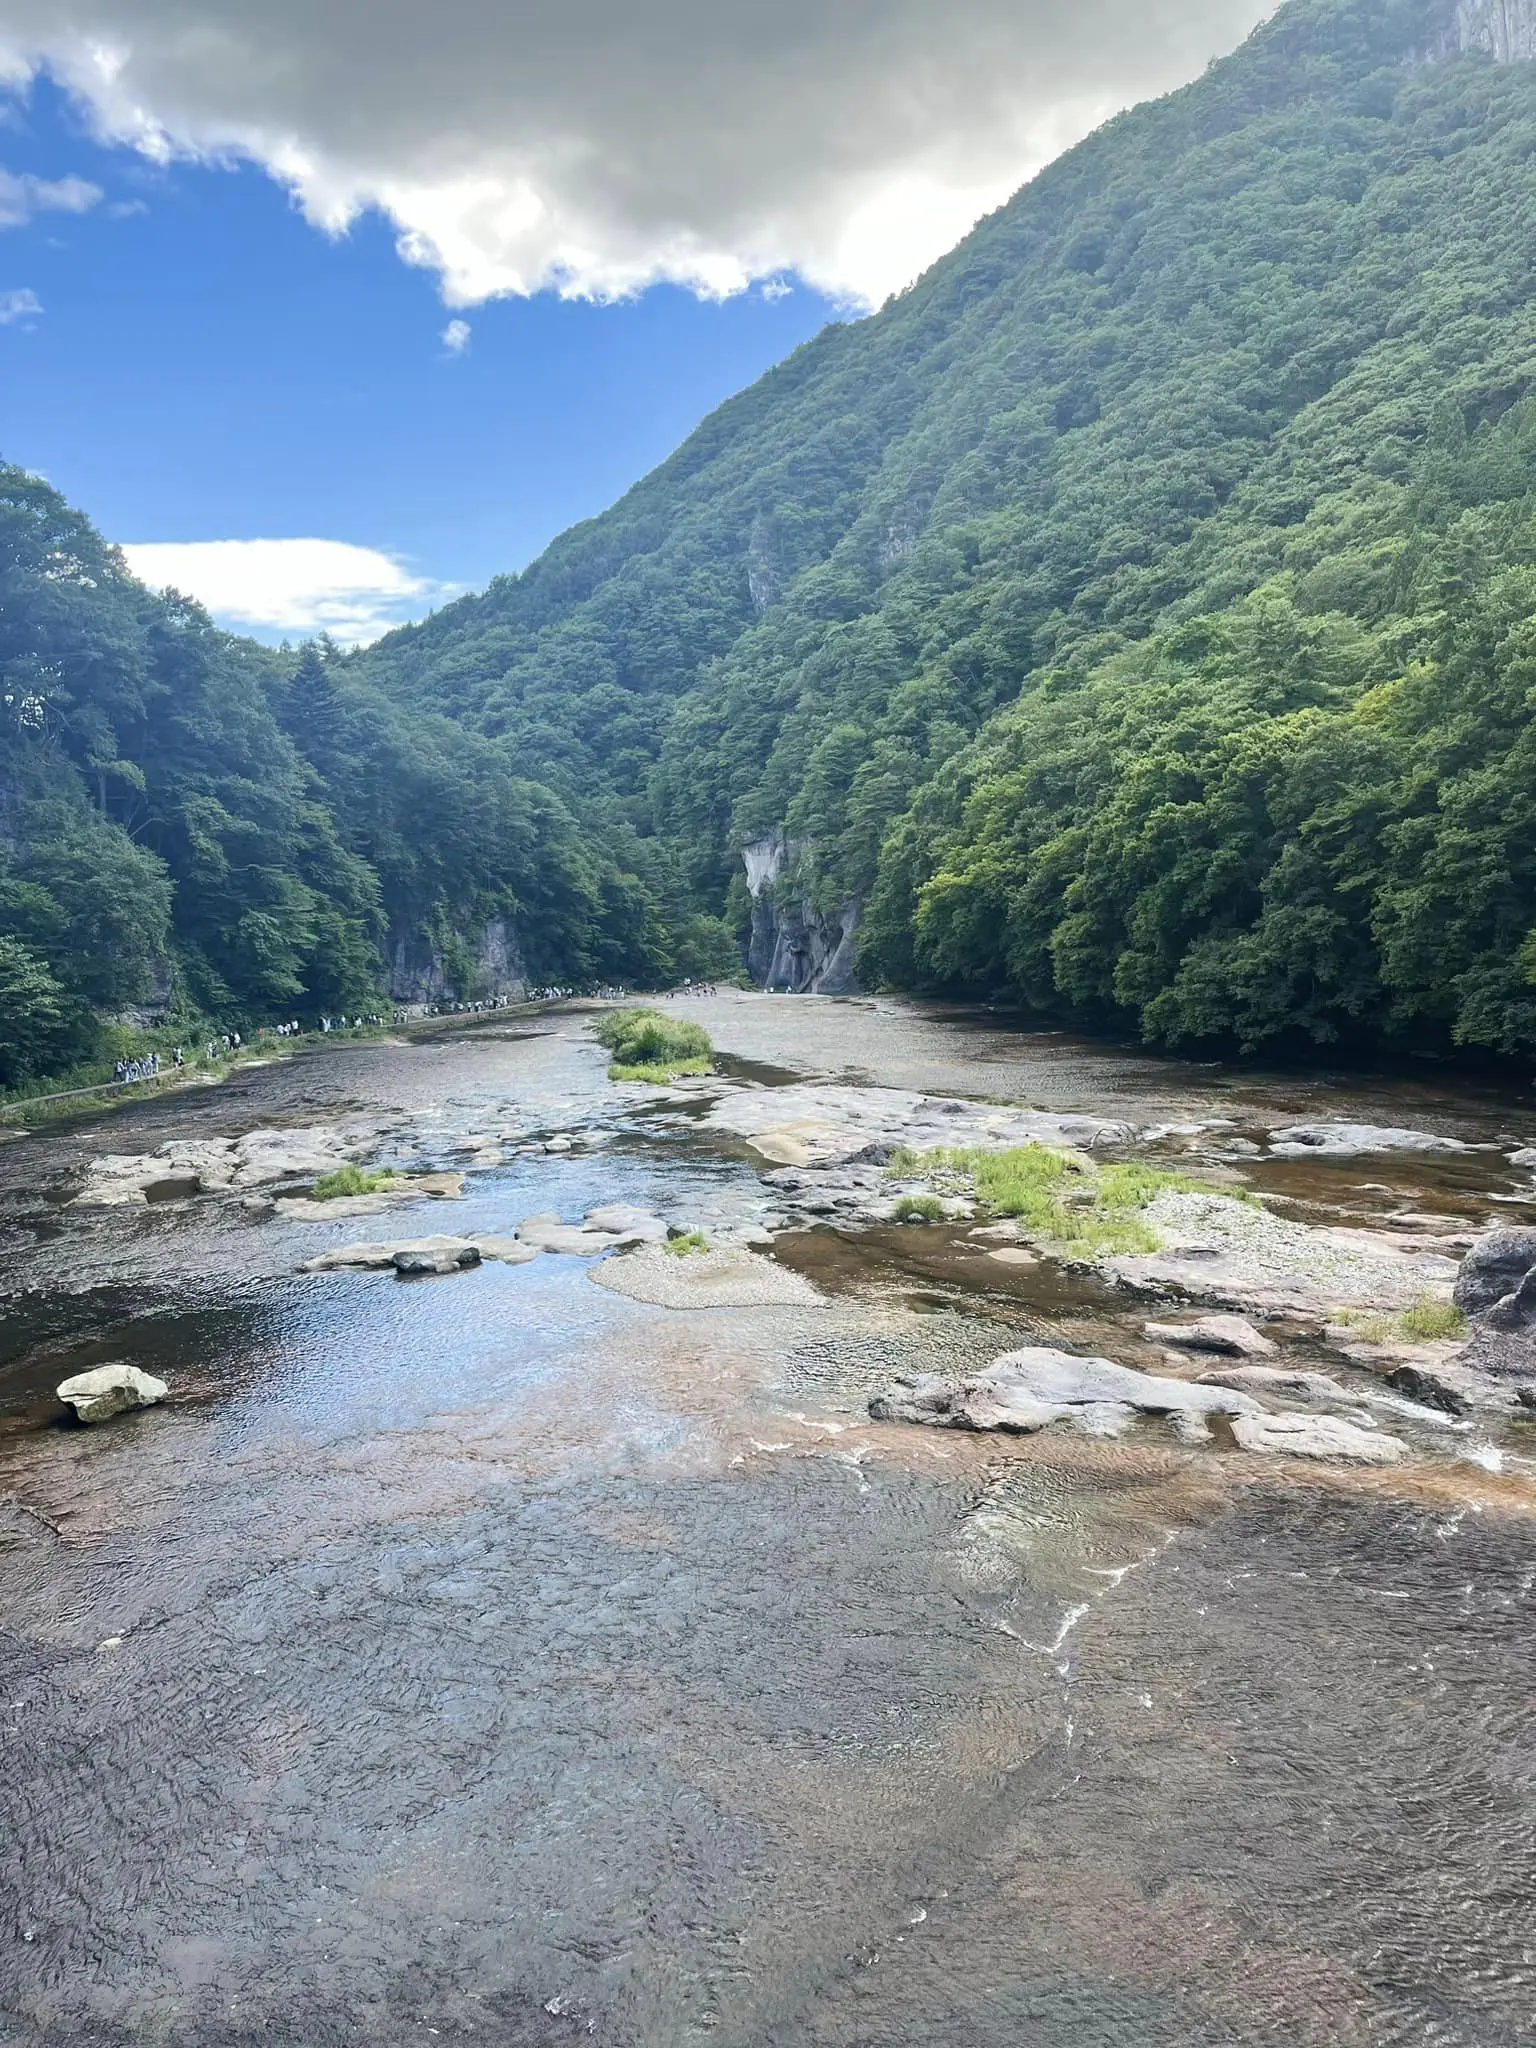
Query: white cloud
x,y
19,305
456,337
289,588
22,197
597,146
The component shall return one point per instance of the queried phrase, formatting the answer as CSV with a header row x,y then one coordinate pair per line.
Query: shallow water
x,y
497,1656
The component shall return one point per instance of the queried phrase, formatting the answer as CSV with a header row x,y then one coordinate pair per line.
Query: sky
x,y
329,309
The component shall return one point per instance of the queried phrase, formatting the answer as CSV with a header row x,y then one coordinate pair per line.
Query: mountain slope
x,y
1132,612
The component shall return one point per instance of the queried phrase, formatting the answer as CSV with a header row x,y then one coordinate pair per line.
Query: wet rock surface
x,y
1316,1436
1028,1390
514,1657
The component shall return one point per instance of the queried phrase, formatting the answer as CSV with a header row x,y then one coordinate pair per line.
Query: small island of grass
x,y
647,1046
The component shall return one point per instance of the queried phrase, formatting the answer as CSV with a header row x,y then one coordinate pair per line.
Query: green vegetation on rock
x,y
1058,1198
690,1244
648,1046
352,1180
919,1209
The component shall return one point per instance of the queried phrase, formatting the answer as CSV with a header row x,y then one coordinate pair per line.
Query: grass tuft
x,y
919,1209
1431,1318
352,1180
689,1245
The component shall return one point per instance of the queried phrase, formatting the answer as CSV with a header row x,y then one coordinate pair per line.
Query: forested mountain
x,y
1135,615
235,834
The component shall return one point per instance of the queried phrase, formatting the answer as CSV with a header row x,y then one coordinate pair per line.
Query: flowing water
x,y
496,1659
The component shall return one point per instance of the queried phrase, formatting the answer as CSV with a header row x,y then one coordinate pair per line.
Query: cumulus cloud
x,y
289,588
594,147
22,197
16,306
456,337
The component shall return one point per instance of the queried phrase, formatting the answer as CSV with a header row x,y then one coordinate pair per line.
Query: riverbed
x,y
498,1658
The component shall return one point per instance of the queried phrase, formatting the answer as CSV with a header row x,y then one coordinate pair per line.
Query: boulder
x,y
1515,1310
1228,1336
413,1260
1337,1140
110,1390
1027,1390
1495,1266
1316,1436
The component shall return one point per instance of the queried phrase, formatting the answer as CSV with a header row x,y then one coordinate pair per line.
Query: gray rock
x,y
1515,1310
1285,1382
110,1390
506,1251
546,1233
627,1224
1230,1336
413,1262
1316,1436
1495,1266
1338,1140
422,1255
1027,1390
1430,1389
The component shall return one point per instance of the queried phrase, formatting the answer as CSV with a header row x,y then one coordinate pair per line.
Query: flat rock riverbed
x,y
494,1656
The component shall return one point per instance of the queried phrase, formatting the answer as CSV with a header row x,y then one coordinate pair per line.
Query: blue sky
x,y
207,366
324,312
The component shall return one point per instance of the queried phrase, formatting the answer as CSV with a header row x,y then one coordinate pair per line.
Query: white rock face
x,y
1316,1436
110,1390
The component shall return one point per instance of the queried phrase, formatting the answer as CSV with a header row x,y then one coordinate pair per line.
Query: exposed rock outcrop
x,y
1317,1436
419,973
793,944
1502,29
1028,1390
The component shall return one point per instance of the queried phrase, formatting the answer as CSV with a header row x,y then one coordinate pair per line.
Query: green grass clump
x,y
1056,1196
919,1209
647,1046
352,1180
689,1245
1431,1318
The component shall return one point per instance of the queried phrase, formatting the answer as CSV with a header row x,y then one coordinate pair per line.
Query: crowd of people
x,y
151,1065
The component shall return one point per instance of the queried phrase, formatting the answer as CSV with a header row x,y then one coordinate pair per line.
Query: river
x,y
495,1658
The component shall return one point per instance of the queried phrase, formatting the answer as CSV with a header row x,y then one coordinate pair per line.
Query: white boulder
x,y
110,1390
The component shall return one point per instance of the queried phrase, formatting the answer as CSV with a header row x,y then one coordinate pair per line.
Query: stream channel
x,y
497,1658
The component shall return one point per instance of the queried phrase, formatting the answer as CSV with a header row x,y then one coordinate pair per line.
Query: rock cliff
x,y
794,945
1504,29
422,971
